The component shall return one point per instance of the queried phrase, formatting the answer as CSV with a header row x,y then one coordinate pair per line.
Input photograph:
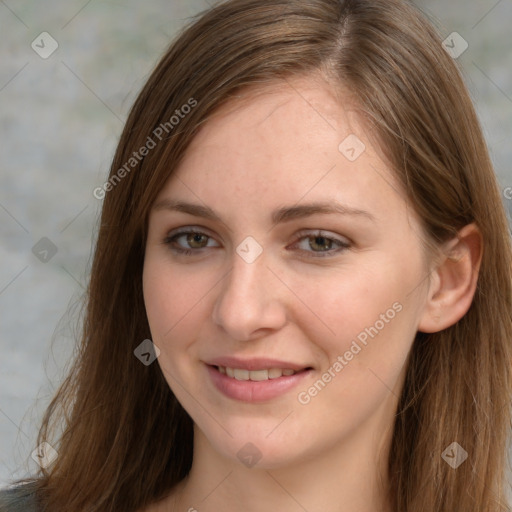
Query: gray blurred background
x,y
60,118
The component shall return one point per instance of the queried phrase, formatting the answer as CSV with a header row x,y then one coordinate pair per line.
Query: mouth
x,y
257,385
257,375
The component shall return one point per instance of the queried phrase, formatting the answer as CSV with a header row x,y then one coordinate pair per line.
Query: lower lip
x,y
254,391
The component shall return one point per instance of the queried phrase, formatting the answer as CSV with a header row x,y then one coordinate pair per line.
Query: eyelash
x,y
170,240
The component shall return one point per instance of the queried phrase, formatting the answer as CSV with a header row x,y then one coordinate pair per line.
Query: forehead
x,y
304,107
281,143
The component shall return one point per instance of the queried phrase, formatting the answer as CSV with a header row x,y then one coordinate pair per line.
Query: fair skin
x,y
281,150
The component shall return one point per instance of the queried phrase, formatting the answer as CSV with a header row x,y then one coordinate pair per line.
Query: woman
x,y
301,290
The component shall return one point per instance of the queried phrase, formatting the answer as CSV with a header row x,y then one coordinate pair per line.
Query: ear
x,y
453,282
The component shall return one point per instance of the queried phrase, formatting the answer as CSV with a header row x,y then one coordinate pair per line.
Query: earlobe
x,y
454,281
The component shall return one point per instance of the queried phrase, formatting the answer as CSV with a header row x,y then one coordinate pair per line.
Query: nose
x,y
250,303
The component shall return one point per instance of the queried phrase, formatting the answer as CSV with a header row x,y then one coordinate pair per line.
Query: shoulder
x,y
21,498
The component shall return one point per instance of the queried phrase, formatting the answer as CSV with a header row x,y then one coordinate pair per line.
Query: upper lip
x,y
256,363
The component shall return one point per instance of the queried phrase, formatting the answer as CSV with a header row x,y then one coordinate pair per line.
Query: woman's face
x,y
304,256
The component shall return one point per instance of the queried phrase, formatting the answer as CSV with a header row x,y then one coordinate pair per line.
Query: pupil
x,y
321,241
195,238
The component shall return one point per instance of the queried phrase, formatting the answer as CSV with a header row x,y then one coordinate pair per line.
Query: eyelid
x,y
323,233
190,229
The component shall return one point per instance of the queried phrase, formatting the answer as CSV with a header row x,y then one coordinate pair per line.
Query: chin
x,y
255,449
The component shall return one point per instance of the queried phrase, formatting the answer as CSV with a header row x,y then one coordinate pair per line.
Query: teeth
x,y
256,375
241,374
274,373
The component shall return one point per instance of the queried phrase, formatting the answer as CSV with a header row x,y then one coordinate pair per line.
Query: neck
x,y
349,477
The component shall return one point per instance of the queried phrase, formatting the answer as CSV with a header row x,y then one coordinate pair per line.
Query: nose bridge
x,y
248,300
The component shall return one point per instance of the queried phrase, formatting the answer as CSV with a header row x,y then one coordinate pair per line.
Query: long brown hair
x,y
123,439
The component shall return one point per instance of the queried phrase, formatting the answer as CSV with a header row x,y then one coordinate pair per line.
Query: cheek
x,y
175,302
157,299
342,305
169,295
362,363
374,324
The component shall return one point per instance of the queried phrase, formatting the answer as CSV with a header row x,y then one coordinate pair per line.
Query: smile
x,y
255,385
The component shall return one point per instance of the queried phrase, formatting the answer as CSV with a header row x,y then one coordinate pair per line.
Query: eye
x,y
321,244
194,240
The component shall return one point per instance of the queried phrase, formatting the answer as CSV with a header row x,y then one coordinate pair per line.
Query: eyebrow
x,y
284,214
